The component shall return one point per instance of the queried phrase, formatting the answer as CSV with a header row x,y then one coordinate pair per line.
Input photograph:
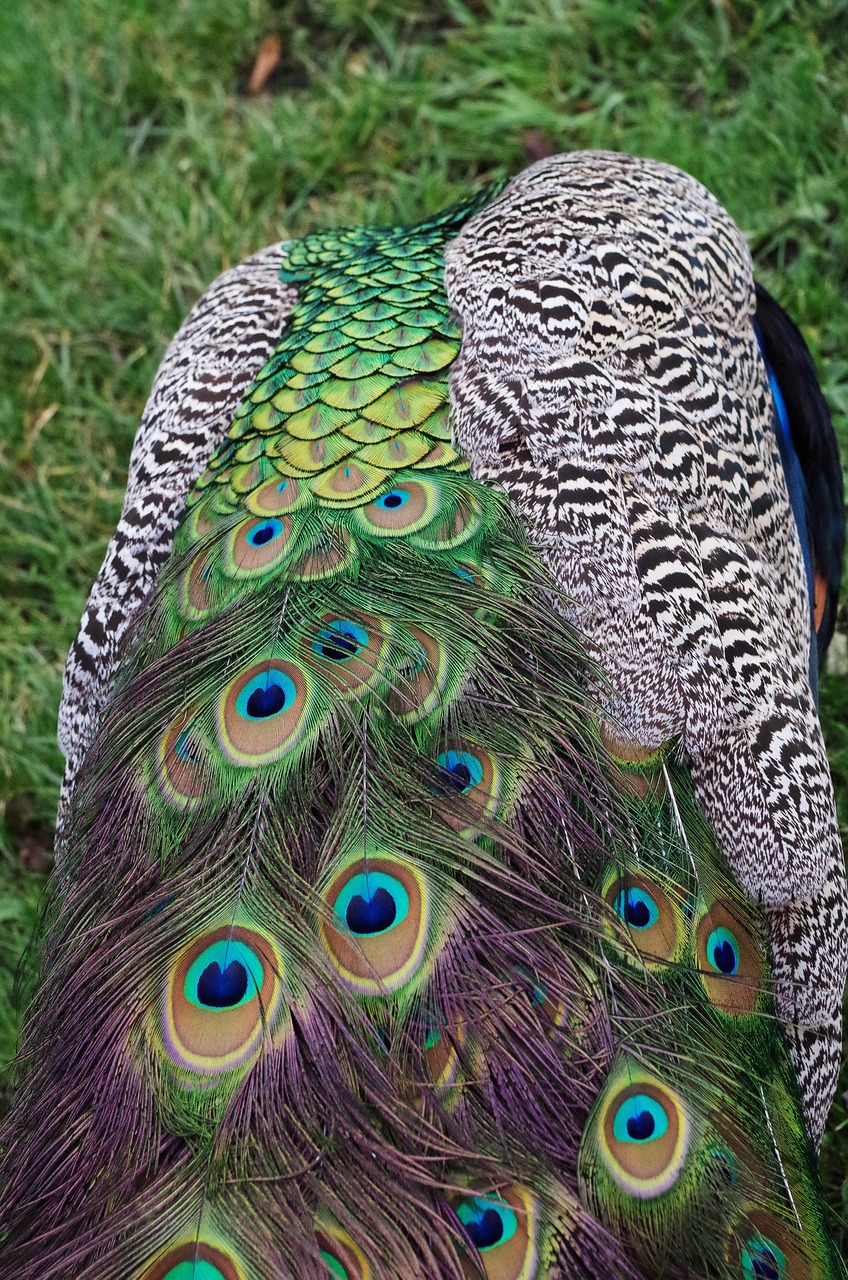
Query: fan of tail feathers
x,y
375,952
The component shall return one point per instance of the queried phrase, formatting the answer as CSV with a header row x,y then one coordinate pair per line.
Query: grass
x,y
134,167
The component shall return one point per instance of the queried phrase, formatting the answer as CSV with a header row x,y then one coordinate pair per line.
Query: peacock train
x,y
448,881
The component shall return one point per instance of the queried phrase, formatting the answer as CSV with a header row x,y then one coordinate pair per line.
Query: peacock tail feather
x,y
375,953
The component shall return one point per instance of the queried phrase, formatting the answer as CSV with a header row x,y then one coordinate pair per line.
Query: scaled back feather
x,y
382,943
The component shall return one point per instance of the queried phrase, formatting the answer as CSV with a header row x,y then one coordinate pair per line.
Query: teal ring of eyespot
x,y
333,1265
264,531
261,684
393,500
416,661
762,1260
537,992
453,761
223,953
636,908
723,952
639,1119
184,749
477,1210
195,1269
365,885
344,638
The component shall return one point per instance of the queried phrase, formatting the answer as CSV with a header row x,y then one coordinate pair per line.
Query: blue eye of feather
x,y
372,903
726,1167
460,769
640,1118
637,908
340,640
392,500
225,975
723,951
263,532
415,663
762,1260
267,694
488,1222
183,748
536,991
371,915
266,702
222,988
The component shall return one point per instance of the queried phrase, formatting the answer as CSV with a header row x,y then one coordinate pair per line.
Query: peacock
x,y
448,882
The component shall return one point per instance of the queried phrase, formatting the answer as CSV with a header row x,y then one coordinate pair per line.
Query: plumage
x,y
807,425
447,880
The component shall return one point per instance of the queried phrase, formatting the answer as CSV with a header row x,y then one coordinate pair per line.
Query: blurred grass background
x,y
135,165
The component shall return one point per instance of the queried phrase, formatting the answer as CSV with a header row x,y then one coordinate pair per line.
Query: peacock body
x,y
407,921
